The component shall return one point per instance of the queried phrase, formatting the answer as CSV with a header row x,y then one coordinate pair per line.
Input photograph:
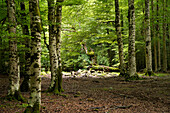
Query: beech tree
x,y
52,43
25,84
164,38
131,49
148,40
14,71
154,36
158,37
35,80
119,37
58,44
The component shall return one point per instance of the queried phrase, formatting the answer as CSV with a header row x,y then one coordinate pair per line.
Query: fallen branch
x,y
121,107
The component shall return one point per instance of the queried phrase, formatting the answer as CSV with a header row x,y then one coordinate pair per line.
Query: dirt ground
x,y
102,95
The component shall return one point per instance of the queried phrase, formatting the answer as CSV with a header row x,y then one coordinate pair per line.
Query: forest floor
x,y
98,94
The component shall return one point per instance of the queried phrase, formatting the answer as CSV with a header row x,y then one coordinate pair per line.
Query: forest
x,y
81,56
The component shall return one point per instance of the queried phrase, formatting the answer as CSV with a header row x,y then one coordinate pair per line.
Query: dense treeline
x,y
66,35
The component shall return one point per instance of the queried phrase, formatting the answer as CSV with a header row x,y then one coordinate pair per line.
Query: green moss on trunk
x,y
25,84
34,109
16,96
149,73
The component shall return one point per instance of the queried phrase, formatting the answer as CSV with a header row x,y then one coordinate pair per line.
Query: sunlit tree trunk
x,y
25,84
148,40
164,39
158,38
14,76
35,80
52,44
58,44
153,36
131,49
119,37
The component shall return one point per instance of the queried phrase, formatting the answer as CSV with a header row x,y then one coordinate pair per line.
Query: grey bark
x,y
131,48
35,80
52,44
148,39
58,45
13,73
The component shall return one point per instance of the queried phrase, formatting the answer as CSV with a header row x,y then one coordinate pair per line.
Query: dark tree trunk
x,y
119,38
25,84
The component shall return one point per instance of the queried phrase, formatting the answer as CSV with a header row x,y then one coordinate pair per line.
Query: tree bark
x,y
168,36
131,48
14,75
119,38
52,44
158,38
35,80
164,39
154,38
148,40
58,45
25,84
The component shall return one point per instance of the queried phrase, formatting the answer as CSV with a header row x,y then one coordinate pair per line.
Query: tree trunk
x,y
164,39
35,80
119,38
153,35
58,45
158,38
131,48
168,36
14,76
52,44
25,84
148,40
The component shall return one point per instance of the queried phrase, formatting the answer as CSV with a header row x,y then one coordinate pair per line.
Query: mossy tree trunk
x,y
119,37
52,44
58,45
25,84
35,80
148,40
131,48
14,76
164,39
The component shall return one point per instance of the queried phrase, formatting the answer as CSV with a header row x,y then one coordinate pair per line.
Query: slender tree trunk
x,y
153,35
25,84
122,23
164,39
168,36
148,39
1,69
119,37
158,38
14,76
58,44
35,80
131,49
52,44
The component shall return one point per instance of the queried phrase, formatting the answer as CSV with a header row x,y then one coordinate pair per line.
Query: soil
x,y
102,95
